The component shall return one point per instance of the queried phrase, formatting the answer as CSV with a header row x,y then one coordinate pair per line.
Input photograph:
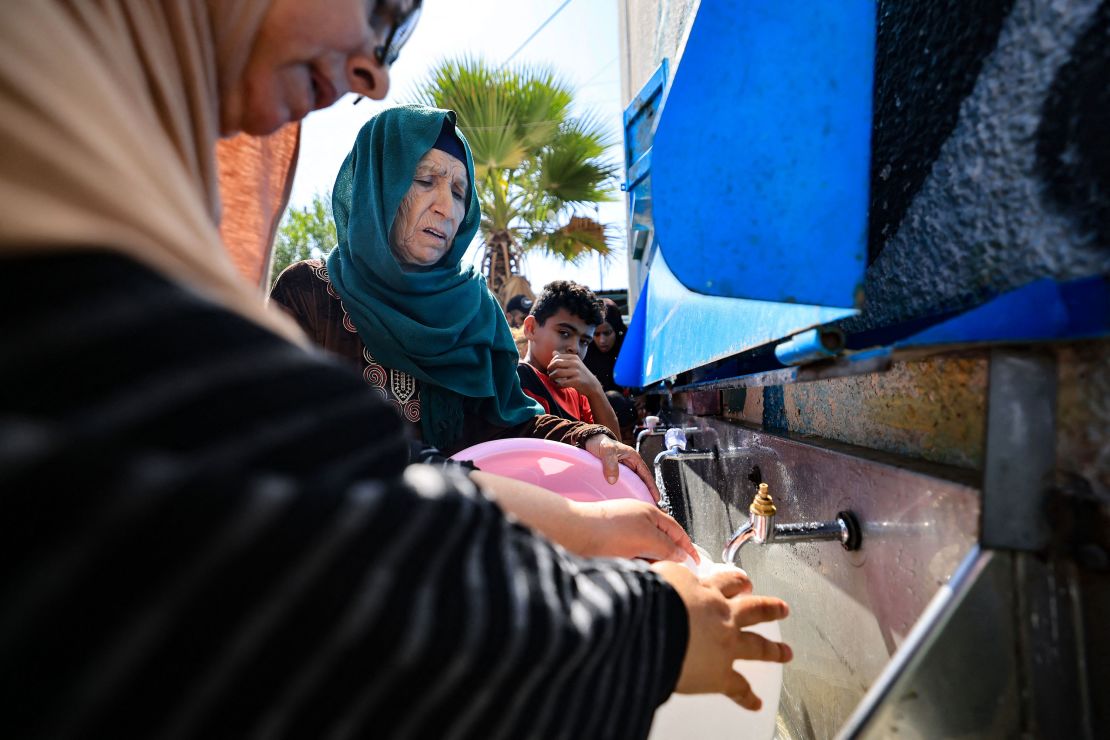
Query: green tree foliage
x,y
304,233
536,164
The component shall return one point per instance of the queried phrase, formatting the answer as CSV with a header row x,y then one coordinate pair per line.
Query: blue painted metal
x,y
810,346
1043,310
639,218
638,171
640,119
760,164
629,367
674,329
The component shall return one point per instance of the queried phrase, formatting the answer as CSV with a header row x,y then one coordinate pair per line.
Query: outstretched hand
x,y
620,528
719,608
613,453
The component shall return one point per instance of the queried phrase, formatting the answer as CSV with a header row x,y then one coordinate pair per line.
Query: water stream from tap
x,y
664,498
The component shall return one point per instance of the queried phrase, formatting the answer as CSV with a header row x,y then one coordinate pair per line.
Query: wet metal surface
x,y
958,673
850,611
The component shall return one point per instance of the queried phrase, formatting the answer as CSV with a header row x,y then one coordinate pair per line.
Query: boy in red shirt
x,y
559,328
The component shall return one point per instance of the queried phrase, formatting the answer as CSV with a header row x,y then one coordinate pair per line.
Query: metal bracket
x,y
1020,450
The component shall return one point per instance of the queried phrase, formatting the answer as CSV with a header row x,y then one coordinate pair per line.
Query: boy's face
x,y
563,332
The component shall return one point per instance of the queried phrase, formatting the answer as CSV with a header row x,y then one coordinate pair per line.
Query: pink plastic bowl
x,y
566,470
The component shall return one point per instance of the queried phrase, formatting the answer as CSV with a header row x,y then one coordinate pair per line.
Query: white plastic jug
x,y
714,717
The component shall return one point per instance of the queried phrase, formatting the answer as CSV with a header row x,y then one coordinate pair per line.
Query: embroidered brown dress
x,y
304,291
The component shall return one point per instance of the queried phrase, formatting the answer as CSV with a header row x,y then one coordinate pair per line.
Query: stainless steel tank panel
x,y
850,611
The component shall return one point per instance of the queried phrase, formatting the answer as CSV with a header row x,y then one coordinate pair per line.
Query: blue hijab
x,y
441,325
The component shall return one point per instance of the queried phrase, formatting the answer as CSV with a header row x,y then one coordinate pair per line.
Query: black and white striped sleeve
x,y
174,603
182,555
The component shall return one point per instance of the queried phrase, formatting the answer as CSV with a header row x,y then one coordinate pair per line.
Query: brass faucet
x,y
761,528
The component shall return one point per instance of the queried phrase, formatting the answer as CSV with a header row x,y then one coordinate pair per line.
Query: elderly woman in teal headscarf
x,y
395,299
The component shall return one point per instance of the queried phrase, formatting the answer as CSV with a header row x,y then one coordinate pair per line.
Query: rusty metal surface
x,y
1083,434
849,610
932,408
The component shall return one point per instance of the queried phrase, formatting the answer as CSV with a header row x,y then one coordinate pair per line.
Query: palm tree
x,y
536,165
304,233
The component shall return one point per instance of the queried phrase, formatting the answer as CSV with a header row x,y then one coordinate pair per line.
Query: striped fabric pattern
x,y
206,532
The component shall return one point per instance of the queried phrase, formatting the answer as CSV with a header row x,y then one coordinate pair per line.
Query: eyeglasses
x,y
401,24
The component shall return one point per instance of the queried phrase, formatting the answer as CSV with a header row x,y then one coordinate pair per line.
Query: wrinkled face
x,y
605,337
308,53
429,216
562,332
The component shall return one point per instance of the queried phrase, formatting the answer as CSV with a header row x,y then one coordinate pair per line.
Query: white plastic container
x,y
714,717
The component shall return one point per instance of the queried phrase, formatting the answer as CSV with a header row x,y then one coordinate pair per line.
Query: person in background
x,y
521,342
394,301
210,529
625,410
602,353
516,309
559,329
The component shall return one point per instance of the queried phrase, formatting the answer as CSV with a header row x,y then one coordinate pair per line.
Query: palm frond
x,y
543,102
591,127
534,161
574,168
486,110
578,239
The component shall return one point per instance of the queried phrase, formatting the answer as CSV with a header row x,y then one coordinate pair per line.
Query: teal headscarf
x,y
440,325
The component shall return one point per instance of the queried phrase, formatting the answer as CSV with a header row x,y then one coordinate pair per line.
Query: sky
x,y
581,44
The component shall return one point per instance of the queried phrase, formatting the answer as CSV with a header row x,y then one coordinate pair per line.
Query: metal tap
x,y
674,447
654,427
674,443
761,528
650,423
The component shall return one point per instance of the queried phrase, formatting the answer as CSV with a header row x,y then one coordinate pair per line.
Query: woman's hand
x,y
621,528
719,608
624,528
612,453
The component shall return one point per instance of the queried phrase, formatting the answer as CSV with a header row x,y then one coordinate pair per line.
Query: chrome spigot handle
x,y
675,439
650,424
674,443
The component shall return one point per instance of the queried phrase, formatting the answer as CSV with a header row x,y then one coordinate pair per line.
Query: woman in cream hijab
x,y
208,530
109,112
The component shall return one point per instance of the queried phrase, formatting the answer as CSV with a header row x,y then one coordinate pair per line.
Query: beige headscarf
x,y
108,123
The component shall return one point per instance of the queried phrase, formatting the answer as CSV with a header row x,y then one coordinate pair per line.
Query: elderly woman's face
x,y
307,54
429,216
